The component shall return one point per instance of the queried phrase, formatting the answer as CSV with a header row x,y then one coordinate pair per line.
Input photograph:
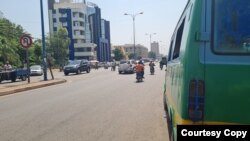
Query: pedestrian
x,y
7,66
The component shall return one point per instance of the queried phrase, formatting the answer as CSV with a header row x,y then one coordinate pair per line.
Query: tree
x,y
118,54
132,56
9,42
151,55
7,53
59,46
37,52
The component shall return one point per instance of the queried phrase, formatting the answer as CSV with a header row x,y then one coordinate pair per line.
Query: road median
x,y
31,86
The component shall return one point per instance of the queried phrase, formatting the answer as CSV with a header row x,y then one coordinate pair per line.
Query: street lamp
x,y
133,17
43,44
150,37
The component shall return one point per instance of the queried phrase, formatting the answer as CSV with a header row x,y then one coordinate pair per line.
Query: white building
x,y
72,14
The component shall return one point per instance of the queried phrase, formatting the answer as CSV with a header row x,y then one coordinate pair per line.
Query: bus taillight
x,y
196,100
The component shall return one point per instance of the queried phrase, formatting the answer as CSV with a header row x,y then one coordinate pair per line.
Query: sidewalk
x,y
24,86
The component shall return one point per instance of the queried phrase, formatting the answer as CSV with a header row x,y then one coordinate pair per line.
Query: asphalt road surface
x,y
99,106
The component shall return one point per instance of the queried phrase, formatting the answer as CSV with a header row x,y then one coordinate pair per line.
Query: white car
x,y
126,66
36,70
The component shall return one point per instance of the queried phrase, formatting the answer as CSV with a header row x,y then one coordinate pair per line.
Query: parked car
x,y
13,74
36,70
77,66
126,66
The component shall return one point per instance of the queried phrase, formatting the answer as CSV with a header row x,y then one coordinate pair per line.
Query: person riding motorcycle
x,y
151,65
161,64
139,68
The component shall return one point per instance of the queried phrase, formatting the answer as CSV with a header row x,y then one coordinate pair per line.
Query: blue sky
x,y
160,17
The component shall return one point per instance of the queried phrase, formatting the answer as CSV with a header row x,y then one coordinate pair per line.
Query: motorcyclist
x,y
113,66
151,65
161,64
139,68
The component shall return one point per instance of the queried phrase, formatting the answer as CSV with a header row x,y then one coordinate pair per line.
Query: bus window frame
x,y
213,47
178,39
170,50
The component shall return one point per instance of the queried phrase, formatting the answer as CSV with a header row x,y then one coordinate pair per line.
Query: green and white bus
x,y
207,79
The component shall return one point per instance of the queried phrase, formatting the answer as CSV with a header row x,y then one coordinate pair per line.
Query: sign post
x,y
26,42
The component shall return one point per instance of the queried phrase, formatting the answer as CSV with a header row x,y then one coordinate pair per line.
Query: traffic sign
x,y
26,41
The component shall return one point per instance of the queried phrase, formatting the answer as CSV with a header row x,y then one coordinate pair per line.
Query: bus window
x,y
178,40
170,51
231,27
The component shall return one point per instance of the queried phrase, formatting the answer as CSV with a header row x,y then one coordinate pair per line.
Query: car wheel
x,y
78,71
23,78
65,73
88,70
120,72
13,80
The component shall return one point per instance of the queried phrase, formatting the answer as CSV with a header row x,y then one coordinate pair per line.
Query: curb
x,y
31,87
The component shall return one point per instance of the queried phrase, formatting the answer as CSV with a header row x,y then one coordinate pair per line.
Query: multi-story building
x,y
100,33
155,49
140,50
75,16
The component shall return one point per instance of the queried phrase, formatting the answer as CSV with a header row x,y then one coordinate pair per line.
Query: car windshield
x,y
123,62
231,32
35,67
75,62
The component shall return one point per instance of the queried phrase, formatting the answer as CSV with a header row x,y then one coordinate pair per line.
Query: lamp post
x,y
133,17
150,37
43,43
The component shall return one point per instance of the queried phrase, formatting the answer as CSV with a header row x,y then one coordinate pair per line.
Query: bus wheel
x,y
170,128
165,104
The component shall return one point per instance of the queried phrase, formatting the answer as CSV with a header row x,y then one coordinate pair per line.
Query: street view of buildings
x,y
89,32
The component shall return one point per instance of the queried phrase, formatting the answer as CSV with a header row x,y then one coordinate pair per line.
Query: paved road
x,y
100,106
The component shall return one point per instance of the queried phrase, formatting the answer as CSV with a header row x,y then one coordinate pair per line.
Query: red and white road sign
x,y
26,41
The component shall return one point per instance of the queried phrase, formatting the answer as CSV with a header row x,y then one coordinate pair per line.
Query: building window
x,y
81,23
83,49
81,15
64,15
65,24
75,14
54,20
76,32
75,23
82,32
83,41
88,49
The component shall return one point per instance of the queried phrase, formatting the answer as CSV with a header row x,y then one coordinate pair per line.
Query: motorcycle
x,y
161,66
139,77
152,70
